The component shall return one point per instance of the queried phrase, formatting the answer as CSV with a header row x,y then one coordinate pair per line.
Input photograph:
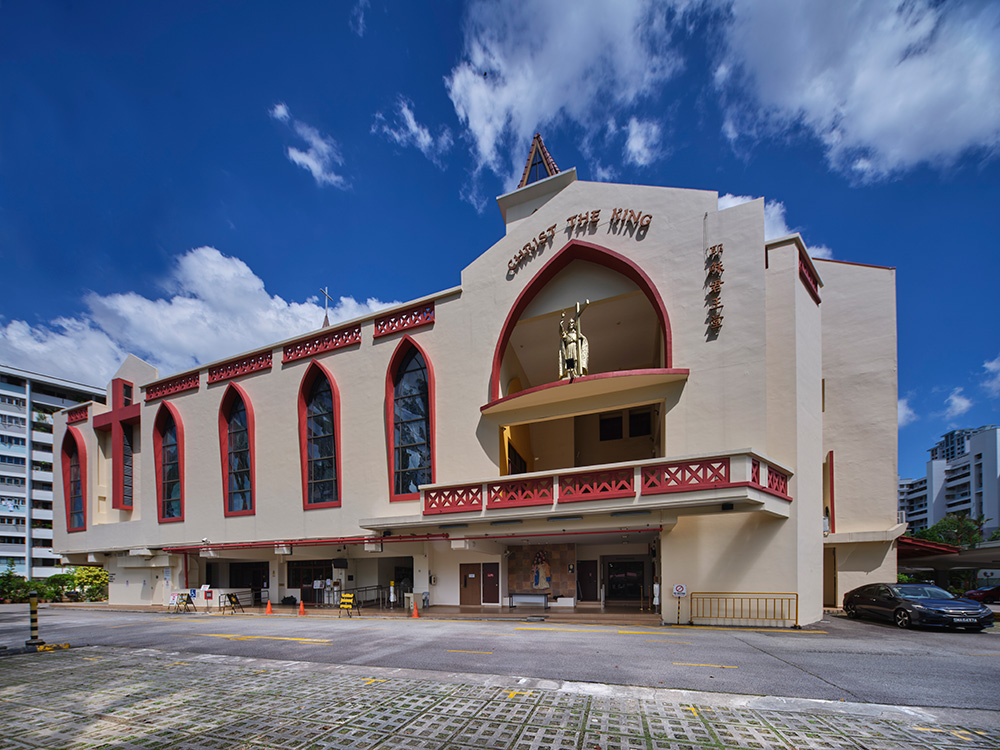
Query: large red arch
x,y
578,250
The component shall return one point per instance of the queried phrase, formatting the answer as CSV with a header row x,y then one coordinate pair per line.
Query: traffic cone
x,y
416,614
302,608
268,612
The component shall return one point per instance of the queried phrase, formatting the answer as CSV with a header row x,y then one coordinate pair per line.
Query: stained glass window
x,y
411,425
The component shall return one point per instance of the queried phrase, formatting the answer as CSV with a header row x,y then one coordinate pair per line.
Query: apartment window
x,y
611,427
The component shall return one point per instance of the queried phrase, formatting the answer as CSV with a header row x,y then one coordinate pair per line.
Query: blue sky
x,y
177,180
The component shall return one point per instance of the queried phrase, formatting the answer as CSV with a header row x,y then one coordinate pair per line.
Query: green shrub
x,y
92,582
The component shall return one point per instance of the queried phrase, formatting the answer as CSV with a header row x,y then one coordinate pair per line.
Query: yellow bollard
x,y
33,604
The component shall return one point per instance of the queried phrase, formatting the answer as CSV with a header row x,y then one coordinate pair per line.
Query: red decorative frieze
x,y
172,386
79,414
685,476
460,499
596,485
324,342
777,482
808,277
755,472
413,317
237,367
519,492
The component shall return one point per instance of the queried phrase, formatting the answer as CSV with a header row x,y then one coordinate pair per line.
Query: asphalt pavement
x,y
842,673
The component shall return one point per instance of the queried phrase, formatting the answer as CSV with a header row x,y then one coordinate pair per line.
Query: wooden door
x,y
471,591
586,571
491,583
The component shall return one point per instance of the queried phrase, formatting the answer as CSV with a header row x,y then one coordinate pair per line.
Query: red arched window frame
x,y
316,370
405,346
159,428
73,444
578,250
234,393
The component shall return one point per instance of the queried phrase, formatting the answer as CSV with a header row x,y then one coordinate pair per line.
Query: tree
x,y
93,582
960,531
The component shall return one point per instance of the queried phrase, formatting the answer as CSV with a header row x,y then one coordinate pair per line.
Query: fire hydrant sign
x,y
680,590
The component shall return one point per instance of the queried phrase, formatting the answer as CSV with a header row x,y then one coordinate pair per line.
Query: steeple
x,y
539,165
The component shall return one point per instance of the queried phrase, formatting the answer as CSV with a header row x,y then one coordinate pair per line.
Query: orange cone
x,y
416,614
268,612
302,608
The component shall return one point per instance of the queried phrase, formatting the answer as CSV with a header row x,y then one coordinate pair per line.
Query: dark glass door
x,y
625,580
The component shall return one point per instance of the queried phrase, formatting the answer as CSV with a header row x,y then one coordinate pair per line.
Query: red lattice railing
x,y
413,317
324,342
596,485
78,414
460,499
755,472
242,366
684,476
519,492
777,482
172,386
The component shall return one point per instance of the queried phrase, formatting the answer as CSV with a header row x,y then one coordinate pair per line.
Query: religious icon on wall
x,y
541,573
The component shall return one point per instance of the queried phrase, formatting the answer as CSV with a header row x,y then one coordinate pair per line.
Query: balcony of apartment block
x,y
6,550
39,437
41,514
731,482
13,390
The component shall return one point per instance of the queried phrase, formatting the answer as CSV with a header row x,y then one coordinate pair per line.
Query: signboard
x,y
680,590
205,587
194,593
173,599
208,595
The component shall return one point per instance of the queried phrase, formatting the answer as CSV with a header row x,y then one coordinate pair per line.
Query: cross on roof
x,y
119,420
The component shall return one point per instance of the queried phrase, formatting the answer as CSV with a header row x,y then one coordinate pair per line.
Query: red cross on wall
x,y
120,420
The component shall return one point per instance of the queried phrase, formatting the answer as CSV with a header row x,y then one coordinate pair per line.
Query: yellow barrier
x,y
752,607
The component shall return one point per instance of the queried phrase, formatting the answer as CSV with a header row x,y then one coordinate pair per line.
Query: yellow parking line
x,y
232,637
457,651
689,708
687,664
752,630
563,630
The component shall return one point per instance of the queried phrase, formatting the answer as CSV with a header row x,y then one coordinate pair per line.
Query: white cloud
x,y
217,307
775,224
321,156
642,144
357,19
409,132
528,65
957,404
885,86
992,382
280,112
904,412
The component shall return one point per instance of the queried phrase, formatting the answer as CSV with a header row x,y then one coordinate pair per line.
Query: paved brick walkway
x,y
120,698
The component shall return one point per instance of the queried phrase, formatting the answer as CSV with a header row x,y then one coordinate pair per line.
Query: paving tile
x,y
435,726
400,742
730,715
665,710
505,711
383,719
656,744
603,741
679,730
497,735
616,723
814,741
547,738
459,706
558,716
759,738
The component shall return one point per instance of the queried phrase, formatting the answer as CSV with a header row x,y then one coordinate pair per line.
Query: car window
x,y
921,591
882,591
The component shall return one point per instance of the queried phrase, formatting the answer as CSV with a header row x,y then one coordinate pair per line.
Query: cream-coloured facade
x,y
735,432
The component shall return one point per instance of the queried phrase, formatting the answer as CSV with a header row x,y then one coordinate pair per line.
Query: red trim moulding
x,y
324,342
577,250
316,370
172,386
234,368
397,358
73,436
227,401
166,408
833,510
412,317
78,414
307,542
808,280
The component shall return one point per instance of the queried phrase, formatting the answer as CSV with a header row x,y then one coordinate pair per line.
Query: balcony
x,y
706,484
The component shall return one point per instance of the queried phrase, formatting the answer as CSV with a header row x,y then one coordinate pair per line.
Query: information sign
x,y
194,593
680,590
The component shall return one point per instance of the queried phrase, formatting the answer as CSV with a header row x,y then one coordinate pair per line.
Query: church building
x,y
631,391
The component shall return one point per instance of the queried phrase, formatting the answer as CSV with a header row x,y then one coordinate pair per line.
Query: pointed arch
x,y
74,479
236,449
406,353
325,444
578,250
168,457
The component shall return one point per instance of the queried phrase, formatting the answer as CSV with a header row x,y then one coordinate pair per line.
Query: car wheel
x,y
902,618
851,609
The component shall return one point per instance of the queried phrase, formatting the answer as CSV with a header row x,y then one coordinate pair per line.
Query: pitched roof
x,y
538,146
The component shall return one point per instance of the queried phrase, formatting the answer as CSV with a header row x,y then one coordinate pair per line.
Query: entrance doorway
x,y
249,575
302,574
471,591
586,581
625,580
491,583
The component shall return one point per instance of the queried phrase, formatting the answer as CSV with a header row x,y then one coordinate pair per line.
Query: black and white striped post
x,y
34,640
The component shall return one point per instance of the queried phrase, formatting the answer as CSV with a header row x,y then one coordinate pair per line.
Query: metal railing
x,y
746,608
375,596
